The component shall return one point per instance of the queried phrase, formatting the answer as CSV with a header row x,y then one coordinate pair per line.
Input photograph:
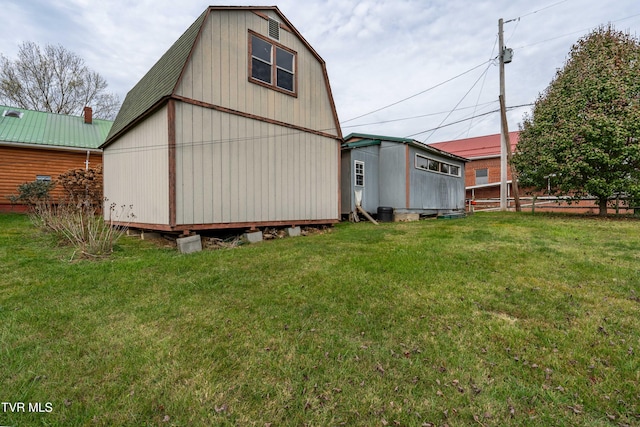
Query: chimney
x,y
88,115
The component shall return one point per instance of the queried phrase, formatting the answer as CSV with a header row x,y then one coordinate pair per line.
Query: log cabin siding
x,y
20,164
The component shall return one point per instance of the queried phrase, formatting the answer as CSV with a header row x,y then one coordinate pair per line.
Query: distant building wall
x,y
22,164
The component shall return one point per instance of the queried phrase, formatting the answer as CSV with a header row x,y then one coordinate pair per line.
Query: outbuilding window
x,y
428,164
272,64
358,168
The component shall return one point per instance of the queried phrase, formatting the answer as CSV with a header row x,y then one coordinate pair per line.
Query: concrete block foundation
x,y
253,237
190,244
293,231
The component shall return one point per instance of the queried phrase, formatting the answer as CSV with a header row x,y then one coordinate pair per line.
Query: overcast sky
x,y
378,52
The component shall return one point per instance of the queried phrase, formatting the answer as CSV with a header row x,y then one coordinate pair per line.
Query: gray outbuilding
x,y
400,173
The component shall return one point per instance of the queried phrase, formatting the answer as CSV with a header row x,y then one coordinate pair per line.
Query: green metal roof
x,y
159,82
378,137
48,129
366,139
361,143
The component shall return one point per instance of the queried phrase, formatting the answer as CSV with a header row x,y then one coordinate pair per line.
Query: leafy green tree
x,y
54,80
583,138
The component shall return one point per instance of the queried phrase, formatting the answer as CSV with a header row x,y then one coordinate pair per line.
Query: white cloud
x,y
377,51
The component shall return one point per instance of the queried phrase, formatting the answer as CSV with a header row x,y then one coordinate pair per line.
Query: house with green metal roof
x,y
234,127
35,145
402,174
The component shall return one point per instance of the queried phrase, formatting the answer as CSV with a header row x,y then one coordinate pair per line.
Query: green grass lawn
x,y
496,319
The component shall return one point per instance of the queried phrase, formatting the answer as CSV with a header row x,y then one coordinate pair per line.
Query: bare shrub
x,y
79,223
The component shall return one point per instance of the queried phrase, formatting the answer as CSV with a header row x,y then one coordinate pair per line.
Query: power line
x,y
461,99
416,94
543,8
195,144
465,119
582,31
417,117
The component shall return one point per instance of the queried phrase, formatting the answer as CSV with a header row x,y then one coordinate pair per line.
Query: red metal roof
x,y
480,146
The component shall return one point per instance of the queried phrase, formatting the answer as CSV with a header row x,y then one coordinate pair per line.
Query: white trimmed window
x,y
358,168
433,165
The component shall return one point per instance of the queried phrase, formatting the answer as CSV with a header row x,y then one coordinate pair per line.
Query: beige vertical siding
x,y
219,67
234,169
136,170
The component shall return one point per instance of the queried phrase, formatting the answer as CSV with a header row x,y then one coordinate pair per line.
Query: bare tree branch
x,y
55,80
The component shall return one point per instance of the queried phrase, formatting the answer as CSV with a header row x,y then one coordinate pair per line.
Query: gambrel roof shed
x,y
234,126
162,80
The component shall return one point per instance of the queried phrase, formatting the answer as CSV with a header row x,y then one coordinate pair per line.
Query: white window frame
x,y
441,167
358,174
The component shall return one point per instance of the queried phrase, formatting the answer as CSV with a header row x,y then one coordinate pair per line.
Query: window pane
x,y
359,173
444,168
260,70
422,163
482,176
454,170
284,59
285,80
261,49
434,166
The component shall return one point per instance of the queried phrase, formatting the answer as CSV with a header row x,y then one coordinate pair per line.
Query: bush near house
x,y
33,192
76,218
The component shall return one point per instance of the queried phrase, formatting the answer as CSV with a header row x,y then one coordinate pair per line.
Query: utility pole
x,y
505,57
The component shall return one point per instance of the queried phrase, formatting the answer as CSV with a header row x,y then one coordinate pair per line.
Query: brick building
x,y
482,173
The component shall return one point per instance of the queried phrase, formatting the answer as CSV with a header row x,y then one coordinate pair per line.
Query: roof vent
x,y
12,113
274,29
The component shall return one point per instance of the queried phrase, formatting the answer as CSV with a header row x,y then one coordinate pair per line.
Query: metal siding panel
x,y
185,159
346,185
216,166
235,51
208,162
225,199
136,170
233,168
370,191
216,59
431,190
226,79
392,175
205,50
275,180
243,170
198,168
